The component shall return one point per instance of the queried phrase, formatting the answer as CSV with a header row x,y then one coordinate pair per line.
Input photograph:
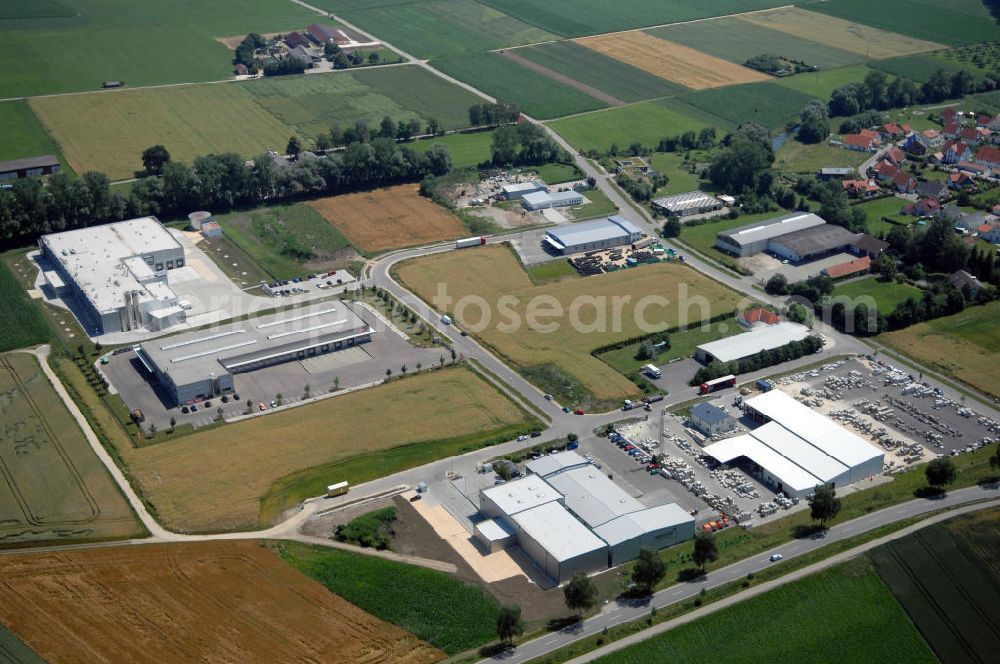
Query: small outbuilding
x,y
710,419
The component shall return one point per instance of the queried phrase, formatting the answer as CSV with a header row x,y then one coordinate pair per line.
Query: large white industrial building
x,y
798,448
683,205
201,364
750,343
592,235
570,518
117,273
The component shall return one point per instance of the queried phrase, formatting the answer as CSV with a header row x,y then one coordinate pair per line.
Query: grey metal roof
x,y
599,230
589,494
553,463
519,495
635,524
709,413
817,239
772,228
558,531
692,200
28,162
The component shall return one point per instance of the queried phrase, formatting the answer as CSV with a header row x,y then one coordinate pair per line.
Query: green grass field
x,y
600,205
552,174
246,118
737,41
671,164
954,22
945,577
682,345
14,651
437,608
469,149
887,294
21,323
846,608
438,28
965,345
646,123
557,270
22,135
86,42
575,18
54,487
588,66
883,207
274,236
767,104
537,95
796,157
916,67
821,84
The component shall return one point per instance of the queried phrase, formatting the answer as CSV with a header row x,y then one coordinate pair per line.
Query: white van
x,y
652,371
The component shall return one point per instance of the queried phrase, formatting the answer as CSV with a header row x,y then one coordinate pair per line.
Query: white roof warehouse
x,y
750,343
569,518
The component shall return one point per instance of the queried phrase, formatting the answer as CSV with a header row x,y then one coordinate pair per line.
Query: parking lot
x,y
350,367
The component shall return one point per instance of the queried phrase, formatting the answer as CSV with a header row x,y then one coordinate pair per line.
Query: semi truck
x,y
470,242
717,384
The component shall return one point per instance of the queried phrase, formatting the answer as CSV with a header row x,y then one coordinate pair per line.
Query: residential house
x,y
894,156
936,190
925,207
988,156
962,280
305,55
849,269
758,316
294,39
967,223
954,152
240,69
919,144
974,135
861,188
991,234
950,116
961,181
884,171
835,172
983,121
951,130
996,209
994,124
869,246
860,143
904,183
973,168
891,132
933,136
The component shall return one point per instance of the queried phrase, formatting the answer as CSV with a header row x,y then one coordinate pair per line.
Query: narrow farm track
x,y
562,78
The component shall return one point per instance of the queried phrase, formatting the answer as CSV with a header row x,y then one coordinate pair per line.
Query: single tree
x,y
336,382
940,472
173,423
402,370
572,437
420,365
995,458
441,361
647,350
373,58
218,413
278,398
305,391
824,504
433,126
509,624
648,571
152,429
294,147
672,227
153,159
388,373
705,550
580,594
249,404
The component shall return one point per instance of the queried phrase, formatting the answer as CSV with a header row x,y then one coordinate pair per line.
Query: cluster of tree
x,y
744,165
814,125
650,348
403,130
525,145
811,290
672,227
247,49
835,205
778,65
492,115
213,182
799,313
766,358
641,187
863,120
360,132
878,92
935,246
703,140
284,67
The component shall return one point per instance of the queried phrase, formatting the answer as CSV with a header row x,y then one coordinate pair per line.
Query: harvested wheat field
x,y
389,218
671,61
854,37
204,602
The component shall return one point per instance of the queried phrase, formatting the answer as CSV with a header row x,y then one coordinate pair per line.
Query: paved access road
x,y
620,612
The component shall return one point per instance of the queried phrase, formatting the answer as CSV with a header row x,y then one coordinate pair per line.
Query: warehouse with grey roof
x,y
570,518
201,364
592,235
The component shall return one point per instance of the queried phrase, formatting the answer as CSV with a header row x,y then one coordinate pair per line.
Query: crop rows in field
x,y
941,583
767,104
951,22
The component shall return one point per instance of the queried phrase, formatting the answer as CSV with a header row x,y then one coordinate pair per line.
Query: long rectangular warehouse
x,y
201,364
753,238
592,235
776,471
750,343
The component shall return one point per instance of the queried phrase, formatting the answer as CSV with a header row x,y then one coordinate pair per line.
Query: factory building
x,y
517,191
201,364
592,235
812,243
753,239
541,200
798,448
570,518
116,274
683,205
739,346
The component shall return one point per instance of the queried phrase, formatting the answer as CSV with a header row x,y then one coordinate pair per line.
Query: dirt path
x,y
562,78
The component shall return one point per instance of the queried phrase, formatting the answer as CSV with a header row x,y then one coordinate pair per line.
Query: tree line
x,y
215,182
879,93
525,144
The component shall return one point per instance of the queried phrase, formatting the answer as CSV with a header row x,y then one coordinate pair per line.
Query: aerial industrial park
x,y
499,332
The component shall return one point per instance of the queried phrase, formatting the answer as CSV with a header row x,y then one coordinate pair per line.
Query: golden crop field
x,y
672,61
190,120
210,602
965,345
215,479
493,272
389,218
854,37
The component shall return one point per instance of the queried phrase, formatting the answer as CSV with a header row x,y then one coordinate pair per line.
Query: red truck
x,y
717,384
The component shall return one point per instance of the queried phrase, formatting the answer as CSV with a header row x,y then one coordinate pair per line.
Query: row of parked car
x,y
639,454
207,403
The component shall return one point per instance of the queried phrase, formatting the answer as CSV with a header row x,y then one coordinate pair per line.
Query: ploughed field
x,y
213,601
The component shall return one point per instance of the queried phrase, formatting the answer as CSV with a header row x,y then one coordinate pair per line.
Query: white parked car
x,y
775,557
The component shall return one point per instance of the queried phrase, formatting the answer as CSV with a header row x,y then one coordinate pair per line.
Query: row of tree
x,y
213,182
492,115
879,93
766,358
525,144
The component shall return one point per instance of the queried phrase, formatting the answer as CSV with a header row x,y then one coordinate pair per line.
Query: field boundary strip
x,y
565,79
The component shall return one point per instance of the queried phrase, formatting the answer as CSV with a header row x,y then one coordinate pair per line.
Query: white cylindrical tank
x,y
196,219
